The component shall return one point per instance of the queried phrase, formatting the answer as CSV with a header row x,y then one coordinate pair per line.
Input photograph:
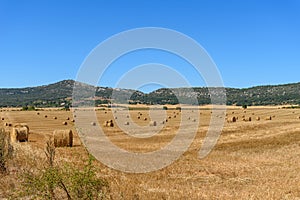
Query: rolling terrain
x,y
60,93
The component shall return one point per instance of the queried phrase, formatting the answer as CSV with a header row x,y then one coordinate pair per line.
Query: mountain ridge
x,y
60,93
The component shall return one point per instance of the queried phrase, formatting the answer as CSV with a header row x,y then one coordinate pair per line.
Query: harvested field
x,y
253,159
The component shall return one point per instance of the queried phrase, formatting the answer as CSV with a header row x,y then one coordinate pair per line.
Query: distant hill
x,y
60,93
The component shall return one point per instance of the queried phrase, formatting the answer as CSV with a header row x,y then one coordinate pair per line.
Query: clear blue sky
x,y
253,42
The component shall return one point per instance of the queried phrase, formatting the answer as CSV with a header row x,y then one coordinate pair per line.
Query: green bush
x,y
165,108
64,180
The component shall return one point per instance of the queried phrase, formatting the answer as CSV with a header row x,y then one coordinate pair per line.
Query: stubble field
x,y
257,159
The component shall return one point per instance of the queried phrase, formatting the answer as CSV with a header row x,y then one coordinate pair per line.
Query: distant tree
x,y
244,106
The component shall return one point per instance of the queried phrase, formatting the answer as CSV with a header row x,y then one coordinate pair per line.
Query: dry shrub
x,y
6,150
63,138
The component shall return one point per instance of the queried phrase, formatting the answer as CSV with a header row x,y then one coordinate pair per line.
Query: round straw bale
x,y
65,123
2,118
153,123
19,134
94,123
139,117
19,125
126,123
45,116
268,118
257,118
233,119
63,138
110,124
54,117
68,118
145,119
104,123
38,113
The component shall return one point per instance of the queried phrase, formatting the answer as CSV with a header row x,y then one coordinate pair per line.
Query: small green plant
x,y
244,106
64,181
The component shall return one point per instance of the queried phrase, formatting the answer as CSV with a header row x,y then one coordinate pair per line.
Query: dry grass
x,y
252,160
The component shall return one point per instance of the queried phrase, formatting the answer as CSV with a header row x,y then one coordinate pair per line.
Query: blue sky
x,y
252,42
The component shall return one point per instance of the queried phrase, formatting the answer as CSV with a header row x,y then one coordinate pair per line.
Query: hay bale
x,y
174,116
5,124
104,123
249,119
19,134
20,125
38,113
45,116
2,118
63,138
116,117
68,118
54,117
126,123
93,123
257,118
268,118
139,117
73,120
64,123
110,124
153,123
145,119
233,119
